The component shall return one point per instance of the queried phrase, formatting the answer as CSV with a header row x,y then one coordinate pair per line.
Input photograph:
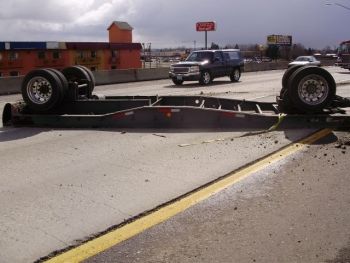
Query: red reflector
x,y
118,115
166,112
228,114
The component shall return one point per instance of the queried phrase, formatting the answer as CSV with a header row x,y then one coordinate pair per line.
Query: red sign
x,y
206,26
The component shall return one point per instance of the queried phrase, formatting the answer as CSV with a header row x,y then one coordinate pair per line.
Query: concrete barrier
x,y
152,74
250,67
10,85
328,61
129,75
105,77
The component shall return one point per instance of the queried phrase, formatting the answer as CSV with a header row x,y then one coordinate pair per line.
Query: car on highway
x,y
206,65
305,60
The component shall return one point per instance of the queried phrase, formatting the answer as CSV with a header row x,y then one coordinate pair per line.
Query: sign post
x,y
206,26
281,41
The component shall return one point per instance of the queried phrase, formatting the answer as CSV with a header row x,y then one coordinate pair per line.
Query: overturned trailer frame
x,y
195,112
65,99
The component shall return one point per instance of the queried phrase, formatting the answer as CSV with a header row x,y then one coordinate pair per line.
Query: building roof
x,y
125,46
121,25
87,45
101,45
66,45
22,45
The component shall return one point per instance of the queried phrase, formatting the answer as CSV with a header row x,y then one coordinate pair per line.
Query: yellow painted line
x,y
125,232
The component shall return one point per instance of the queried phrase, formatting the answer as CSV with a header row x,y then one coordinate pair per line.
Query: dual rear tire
x,y
308,89
45,89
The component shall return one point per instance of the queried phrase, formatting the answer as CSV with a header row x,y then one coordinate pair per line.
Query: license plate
x,y
179,77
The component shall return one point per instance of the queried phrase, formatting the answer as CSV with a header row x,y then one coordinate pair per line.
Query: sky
x,y
164,23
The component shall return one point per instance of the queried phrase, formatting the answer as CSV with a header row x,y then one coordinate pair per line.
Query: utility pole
x,y
150,55
144,55
343,6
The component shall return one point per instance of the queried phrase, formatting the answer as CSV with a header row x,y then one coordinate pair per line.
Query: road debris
x,y
159,135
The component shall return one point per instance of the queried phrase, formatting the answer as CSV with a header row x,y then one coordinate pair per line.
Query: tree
x,y
214,46
272,52
298,50
231,46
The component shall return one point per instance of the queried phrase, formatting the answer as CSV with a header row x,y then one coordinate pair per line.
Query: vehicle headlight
x,y
194,68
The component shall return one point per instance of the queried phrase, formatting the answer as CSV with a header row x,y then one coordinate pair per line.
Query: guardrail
x,y
9,85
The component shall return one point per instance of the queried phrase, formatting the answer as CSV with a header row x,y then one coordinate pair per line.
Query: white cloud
x,y
169,23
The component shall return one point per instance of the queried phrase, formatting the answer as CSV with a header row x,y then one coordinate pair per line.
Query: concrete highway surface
x,y
61,187
294,211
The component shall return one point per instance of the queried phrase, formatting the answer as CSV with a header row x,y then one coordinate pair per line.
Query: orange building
x,y
120,32
18,58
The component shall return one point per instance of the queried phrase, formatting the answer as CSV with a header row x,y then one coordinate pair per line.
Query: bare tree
x,y
298,50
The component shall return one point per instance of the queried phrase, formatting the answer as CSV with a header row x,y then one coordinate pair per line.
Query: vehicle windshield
x,y
304,59
200,56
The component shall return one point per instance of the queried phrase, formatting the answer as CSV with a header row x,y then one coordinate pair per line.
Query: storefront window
x,y
14,73
114,53
80,54
41,54
13,55
56,54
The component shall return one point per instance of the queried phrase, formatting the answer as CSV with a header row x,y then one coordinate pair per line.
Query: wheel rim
x,y
313,89
236,74
206,77
39,90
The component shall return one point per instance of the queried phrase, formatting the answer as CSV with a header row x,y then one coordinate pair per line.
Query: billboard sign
x,y
280,40
206,26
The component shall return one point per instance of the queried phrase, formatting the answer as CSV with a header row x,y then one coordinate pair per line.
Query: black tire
x,y
311,89
42,90
92,77
286,77
205,78
285,105
177,82
64,82
235,75
80,76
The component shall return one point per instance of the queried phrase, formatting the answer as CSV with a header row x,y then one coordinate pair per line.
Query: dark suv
x,y
205,65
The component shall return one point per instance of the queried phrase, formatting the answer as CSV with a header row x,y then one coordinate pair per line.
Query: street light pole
x,y
144,55
206,39
150,56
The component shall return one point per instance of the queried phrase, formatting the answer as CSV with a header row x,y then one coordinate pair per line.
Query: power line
x,y
343,6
